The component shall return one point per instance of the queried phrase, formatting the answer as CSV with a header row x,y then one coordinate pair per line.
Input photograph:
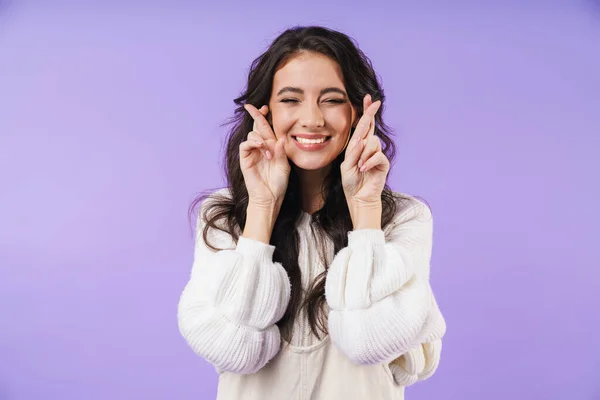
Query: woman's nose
x,y
311,117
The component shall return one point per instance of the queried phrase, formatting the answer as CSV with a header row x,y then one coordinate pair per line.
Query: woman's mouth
x,y
311,144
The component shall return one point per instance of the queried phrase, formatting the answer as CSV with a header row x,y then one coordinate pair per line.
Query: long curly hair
x,y
332,221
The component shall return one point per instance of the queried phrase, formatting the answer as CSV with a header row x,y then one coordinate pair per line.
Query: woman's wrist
x,y
260,220
365,215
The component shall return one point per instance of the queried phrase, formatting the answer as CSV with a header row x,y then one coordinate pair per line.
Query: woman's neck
x,y
311,185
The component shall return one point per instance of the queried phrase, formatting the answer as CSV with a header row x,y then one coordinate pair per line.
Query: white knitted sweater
x,y
381,306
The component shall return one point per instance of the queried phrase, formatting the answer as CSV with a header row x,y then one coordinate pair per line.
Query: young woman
x,y
311,277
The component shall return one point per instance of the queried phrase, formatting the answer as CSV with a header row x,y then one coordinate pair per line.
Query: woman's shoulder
x,y
410,208
218,194
214,207
212,198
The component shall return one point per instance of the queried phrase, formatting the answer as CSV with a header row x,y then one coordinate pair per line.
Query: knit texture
x,y
228,310
379,291
381,306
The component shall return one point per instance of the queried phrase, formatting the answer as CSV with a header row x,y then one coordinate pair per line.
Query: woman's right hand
x,y
263,161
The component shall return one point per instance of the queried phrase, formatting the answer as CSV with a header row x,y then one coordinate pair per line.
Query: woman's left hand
x,y
365,167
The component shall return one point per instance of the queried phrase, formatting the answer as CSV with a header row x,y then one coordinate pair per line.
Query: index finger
x,y
372,111
366,123
261,125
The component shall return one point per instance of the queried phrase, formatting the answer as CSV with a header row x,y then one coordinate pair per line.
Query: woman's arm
x,y
382,305
228,309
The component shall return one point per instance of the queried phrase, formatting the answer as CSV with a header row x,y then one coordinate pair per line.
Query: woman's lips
x,y
311,146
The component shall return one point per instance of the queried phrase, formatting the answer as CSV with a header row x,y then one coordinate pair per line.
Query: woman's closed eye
x,y
334,101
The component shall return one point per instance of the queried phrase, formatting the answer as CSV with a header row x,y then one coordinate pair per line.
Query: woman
x,y
310,276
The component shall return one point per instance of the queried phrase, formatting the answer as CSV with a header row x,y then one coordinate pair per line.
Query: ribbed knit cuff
x,y
255,248
361,236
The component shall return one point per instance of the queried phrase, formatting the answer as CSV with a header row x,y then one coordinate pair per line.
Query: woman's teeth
x,y
310,141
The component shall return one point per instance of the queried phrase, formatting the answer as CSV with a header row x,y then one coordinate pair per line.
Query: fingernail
x,y
362,169
360,163
268,154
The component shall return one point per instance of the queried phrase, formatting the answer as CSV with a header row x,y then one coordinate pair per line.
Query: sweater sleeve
x,y
228,309
377,288
421,361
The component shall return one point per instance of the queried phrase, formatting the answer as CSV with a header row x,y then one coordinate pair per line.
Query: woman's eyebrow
x,y
300,91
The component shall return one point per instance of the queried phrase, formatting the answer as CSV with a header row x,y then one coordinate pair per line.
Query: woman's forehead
x,y
309,72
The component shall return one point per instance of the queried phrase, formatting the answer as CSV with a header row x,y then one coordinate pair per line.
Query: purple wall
x,y
109,123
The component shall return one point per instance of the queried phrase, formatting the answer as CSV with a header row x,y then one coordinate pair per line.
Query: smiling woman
x,y
310,107
310,275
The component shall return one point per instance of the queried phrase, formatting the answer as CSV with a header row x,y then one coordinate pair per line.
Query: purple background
x,y
110,123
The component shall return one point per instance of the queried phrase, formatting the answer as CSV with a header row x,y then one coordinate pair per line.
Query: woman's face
x,y
309,104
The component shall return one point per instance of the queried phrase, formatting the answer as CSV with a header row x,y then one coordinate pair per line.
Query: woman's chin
x,y
310,163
